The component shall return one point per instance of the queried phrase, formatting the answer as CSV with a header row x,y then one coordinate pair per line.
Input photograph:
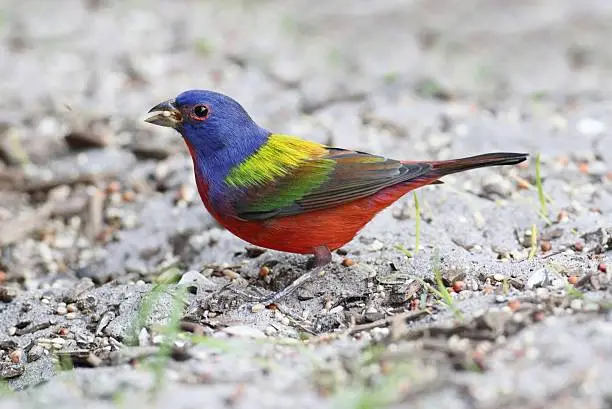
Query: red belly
x,y
332,227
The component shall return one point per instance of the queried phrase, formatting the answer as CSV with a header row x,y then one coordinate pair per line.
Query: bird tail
x,y
447,167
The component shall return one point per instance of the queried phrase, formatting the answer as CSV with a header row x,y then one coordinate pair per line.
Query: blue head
x,y
217,129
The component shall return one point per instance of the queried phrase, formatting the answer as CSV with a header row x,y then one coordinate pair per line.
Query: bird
x,y
281,192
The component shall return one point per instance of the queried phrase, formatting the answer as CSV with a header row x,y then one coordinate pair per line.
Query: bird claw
x,y
279,295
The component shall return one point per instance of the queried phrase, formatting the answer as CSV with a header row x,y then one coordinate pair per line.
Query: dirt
x,y
117,289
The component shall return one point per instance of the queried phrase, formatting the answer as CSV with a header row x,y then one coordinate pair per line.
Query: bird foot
x,y
322,257
279,295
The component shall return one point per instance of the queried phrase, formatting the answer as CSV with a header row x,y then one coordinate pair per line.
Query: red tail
x,y
446,167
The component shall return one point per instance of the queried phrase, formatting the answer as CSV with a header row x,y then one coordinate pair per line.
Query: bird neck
x,y
213,165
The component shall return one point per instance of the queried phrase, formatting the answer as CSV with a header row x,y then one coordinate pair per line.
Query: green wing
x,y
316,177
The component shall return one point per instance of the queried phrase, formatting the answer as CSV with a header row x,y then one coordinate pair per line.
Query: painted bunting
x,y
284,193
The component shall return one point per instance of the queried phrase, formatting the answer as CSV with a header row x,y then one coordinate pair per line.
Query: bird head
x,y
210,123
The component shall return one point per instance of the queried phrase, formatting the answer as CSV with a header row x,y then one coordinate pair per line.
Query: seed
x,y
128,196
347,262
458,286
514,305
264,271
545,246
113,187
562,216
522,184
572,280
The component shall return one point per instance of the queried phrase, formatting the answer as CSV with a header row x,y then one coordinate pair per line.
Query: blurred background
x,y
91,194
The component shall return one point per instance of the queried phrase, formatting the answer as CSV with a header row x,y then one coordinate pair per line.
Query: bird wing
x,y
289,176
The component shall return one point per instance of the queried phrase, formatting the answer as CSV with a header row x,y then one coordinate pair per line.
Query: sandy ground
x,y
114,278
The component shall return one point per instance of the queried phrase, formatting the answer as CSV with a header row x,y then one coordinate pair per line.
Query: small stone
x,y
579,246
500,299
45,300
590,127
61,310
602,267
499,277
62,332
545,246
7,294
542,294
16,356
539,278
576,304
11,331
258,307
186,194
376,246
10,370
231,274
270,331
538,316
71,316
572,280
36,352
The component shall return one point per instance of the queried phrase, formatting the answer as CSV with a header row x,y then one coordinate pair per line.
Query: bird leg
x,y
322,257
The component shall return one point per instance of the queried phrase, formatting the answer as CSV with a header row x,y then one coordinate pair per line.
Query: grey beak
x,y
166,114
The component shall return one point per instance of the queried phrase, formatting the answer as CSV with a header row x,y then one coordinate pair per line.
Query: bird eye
x,y
200,112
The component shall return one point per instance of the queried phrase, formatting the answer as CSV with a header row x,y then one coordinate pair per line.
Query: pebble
x,y
71,316
61,310
572,280
7,294
376,245
11,331
590,127
538,278
576,304
16,356
602,267
36,352
270,331
499,277
258,307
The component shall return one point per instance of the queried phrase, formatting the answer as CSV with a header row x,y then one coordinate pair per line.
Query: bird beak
x,y
166,114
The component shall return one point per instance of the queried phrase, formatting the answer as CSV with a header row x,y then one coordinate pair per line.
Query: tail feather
x,y
448,167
